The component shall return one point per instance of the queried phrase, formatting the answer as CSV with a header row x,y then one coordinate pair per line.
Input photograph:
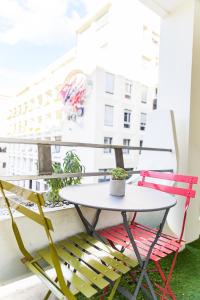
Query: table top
x,y
136,199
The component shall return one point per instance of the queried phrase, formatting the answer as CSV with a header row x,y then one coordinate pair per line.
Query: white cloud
x,y
36,21
39,22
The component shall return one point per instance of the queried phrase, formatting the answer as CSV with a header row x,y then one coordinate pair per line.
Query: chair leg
x,y
164,279
48,294
113,291
103,296
169,275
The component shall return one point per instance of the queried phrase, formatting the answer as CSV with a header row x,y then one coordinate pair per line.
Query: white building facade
x,y
120,90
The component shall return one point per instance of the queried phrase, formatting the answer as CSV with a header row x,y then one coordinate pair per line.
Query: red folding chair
x,y
144,235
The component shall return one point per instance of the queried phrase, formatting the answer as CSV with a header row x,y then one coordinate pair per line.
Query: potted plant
x,y
118,181
71,164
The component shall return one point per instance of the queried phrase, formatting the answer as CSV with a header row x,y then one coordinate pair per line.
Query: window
x,y
4,165
57,147
127,118
143,118
154,104
155,100
107,141
37,186
3,149
104,178
109,84
128,89
144,94
108,117
126,142
141,143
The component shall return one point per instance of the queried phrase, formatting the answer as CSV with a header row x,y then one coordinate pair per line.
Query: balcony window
x,y
108,116
107,141
126,142
144,94
143,118
128,89
127,118
109,83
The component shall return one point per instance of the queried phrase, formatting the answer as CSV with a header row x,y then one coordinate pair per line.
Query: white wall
x,y
179,90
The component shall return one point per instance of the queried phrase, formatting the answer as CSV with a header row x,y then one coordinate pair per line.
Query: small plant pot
x,y
117,187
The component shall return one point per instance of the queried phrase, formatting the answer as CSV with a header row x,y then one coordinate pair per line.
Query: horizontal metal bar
x,y
74,144
67,175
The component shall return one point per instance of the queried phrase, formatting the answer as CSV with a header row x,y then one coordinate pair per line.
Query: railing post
x,y
44,159
119,157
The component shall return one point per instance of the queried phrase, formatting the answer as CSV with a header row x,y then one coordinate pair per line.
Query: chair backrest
x,y
14,197
186,192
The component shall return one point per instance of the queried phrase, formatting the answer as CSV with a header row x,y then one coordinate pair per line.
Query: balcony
x,y
152,157
178,90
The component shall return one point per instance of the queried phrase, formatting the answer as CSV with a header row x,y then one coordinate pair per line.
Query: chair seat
x,y
87,264
144,236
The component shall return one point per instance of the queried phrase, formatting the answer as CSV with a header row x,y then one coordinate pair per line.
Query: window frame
x,y
110,140
127,123
126,151
143,124
106,121
109,86
128,94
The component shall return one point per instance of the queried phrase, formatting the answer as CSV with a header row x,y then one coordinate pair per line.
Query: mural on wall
x,y
74,93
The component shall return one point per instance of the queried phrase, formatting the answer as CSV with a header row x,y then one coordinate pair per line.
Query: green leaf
x,y
71,164
119,174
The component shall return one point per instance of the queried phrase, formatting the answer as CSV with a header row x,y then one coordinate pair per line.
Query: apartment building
x,y
114,112
125,45
118,82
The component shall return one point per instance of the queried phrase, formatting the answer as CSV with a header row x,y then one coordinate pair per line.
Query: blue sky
x,y
33,33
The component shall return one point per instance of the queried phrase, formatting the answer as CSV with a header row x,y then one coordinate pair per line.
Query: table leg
x,y
143,264
90,228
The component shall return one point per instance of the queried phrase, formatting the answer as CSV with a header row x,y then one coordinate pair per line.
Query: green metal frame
x,y
99,264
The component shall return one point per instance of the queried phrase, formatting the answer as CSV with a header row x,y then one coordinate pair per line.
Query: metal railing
x,y
45,170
